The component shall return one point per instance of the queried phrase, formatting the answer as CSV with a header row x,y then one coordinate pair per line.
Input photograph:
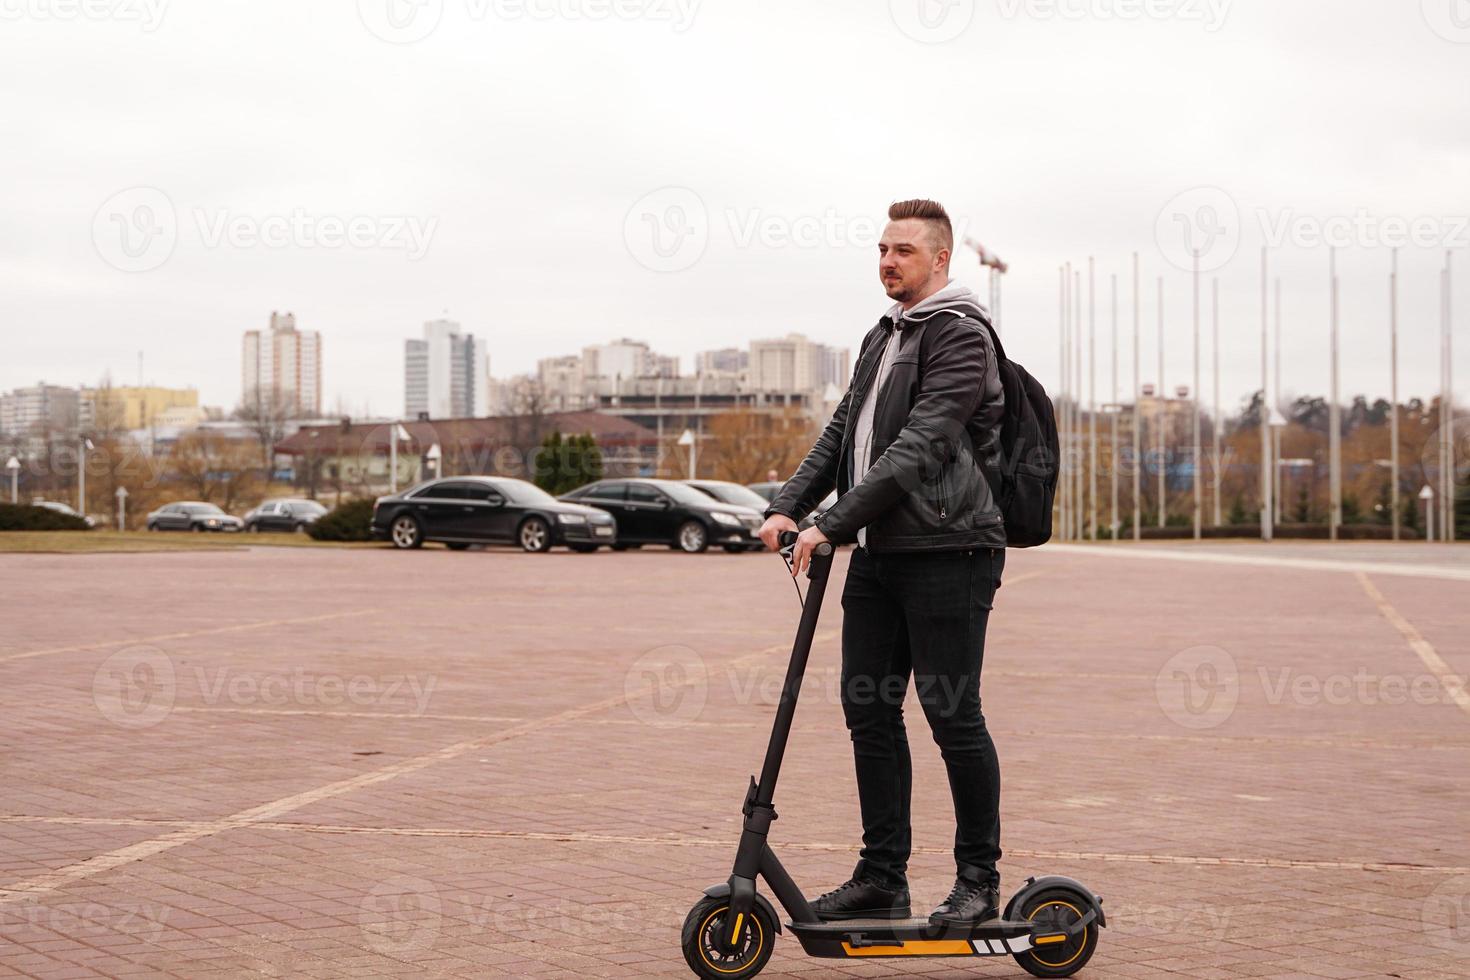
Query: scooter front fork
x,y
758,817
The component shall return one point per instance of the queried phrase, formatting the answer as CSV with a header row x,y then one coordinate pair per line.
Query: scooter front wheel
x,y
1059,910
708,923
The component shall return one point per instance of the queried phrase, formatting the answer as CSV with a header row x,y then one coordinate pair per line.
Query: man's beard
x,y
898,290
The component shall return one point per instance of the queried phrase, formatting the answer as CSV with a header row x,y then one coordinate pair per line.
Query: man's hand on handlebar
x,y
805,542
772,528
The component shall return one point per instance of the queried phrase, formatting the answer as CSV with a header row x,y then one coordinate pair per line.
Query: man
x,y
905,450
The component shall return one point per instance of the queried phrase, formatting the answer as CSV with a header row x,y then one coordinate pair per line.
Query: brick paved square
x,y
321,763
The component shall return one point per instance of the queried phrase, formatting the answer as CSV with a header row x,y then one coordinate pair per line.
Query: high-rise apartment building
x,y
796,363
446,375
284,361
38,410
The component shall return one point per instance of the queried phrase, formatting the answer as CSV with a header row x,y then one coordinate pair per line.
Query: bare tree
x,y
266,411
214,468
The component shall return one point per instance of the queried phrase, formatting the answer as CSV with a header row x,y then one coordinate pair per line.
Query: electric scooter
x,y
1050,926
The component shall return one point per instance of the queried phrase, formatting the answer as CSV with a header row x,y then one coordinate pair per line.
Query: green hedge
x,y
24,517
349,522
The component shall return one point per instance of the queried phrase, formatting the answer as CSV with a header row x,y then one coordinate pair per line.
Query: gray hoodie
x,y
951,296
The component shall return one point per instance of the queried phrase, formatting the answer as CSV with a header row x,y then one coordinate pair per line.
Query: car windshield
x,y
685,494
523,492
734,493
201,509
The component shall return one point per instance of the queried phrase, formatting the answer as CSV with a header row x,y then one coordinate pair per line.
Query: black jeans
x,y
923,614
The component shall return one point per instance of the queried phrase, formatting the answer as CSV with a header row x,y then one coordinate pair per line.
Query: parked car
x,y
464,510
768,491
288,514
192,515
61,508
732,493
669,512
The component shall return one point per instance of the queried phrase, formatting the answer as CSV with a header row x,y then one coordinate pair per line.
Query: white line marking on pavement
x,y
265,812
1454,684
1264,561
262,624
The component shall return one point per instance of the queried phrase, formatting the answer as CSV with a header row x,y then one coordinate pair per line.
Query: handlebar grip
x,y
786,539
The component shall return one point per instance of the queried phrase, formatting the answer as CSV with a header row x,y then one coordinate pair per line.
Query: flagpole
x,y
1091,398
1117,409
1334,416
1268,464
1137,417
1215,422
1393,368
1194,405
1162,416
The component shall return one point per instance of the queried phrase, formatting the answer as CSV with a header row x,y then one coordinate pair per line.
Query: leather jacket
x,y
935,423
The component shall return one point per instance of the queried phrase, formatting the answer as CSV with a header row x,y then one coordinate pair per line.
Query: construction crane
x,y
997,266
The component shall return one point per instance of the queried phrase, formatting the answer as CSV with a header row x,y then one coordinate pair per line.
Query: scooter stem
x,y
801,648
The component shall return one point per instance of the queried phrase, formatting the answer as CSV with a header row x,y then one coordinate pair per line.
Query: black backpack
x,y
1023,479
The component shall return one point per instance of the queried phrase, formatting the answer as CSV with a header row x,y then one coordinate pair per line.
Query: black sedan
x,y
672,513
465,510
290,514
192,515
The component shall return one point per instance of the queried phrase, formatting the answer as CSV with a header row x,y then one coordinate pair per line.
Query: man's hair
x,y
932,213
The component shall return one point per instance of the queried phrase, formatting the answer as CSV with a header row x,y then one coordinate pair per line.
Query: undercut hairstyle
x,y
933,215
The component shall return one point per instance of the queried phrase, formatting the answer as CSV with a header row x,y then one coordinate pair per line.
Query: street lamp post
x,y
1427,495
13,465
82,448
1113,439
122,507
687,439
1215,423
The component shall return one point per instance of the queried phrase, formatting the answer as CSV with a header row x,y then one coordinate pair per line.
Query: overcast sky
x,y
555,173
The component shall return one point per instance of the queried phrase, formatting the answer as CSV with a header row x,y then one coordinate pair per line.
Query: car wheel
x,y
197,528
534,535
252,528
692,538
300,528
152,527
407,532
456,545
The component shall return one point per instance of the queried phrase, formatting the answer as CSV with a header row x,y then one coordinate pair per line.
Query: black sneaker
x,y
969,904
862,899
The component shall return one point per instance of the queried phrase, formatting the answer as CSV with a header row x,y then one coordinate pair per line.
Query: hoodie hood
x,y
954,296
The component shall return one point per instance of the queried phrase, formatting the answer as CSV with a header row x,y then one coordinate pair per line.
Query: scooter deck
x,y
911,937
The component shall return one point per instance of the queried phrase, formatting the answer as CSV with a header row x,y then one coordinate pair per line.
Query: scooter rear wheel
x,y
1059,909
704,926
